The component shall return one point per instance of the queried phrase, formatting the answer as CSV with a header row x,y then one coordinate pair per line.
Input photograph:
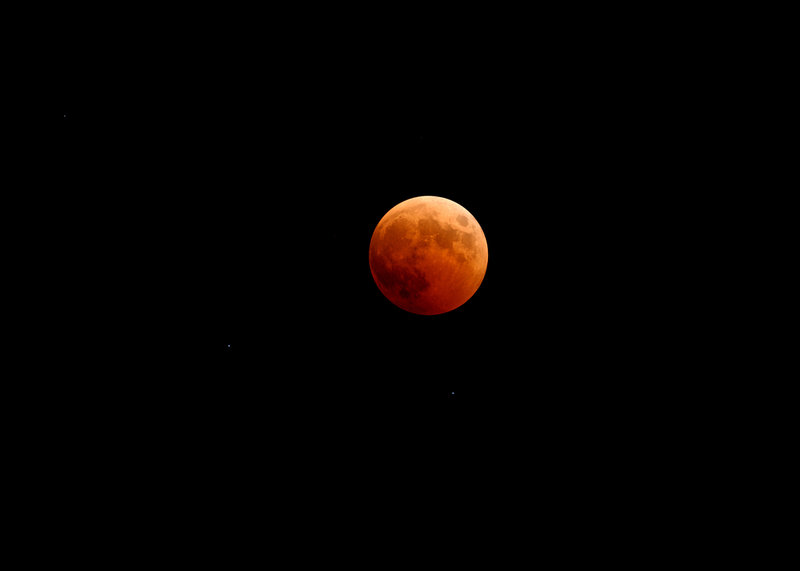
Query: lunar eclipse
x,y
428,255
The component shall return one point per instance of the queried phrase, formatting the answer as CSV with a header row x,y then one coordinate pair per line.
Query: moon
x,y
428,255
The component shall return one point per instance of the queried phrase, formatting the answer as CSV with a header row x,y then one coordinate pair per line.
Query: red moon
x,y
428,255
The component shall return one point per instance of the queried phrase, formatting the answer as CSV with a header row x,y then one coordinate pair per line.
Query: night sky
x,y
214,208
231,213
213,200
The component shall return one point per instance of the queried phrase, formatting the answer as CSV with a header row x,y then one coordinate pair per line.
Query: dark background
x,y
216,189
229,199
228,195
205,239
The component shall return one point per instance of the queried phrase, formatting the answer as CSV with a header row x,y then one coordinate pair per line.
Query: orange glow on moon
x,y
428,255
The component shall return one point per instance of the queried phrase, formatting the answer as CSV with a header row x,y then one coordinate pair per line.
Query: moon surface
x,y
428,255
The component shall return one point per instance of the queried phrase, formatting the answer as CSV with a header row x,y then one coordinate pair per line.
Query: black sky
x,y
224,191
234,206
220,187
240,194
210,359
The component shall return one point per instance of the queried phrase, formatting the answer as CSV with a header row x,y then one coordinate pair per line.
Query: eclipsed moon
x,y
428,255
